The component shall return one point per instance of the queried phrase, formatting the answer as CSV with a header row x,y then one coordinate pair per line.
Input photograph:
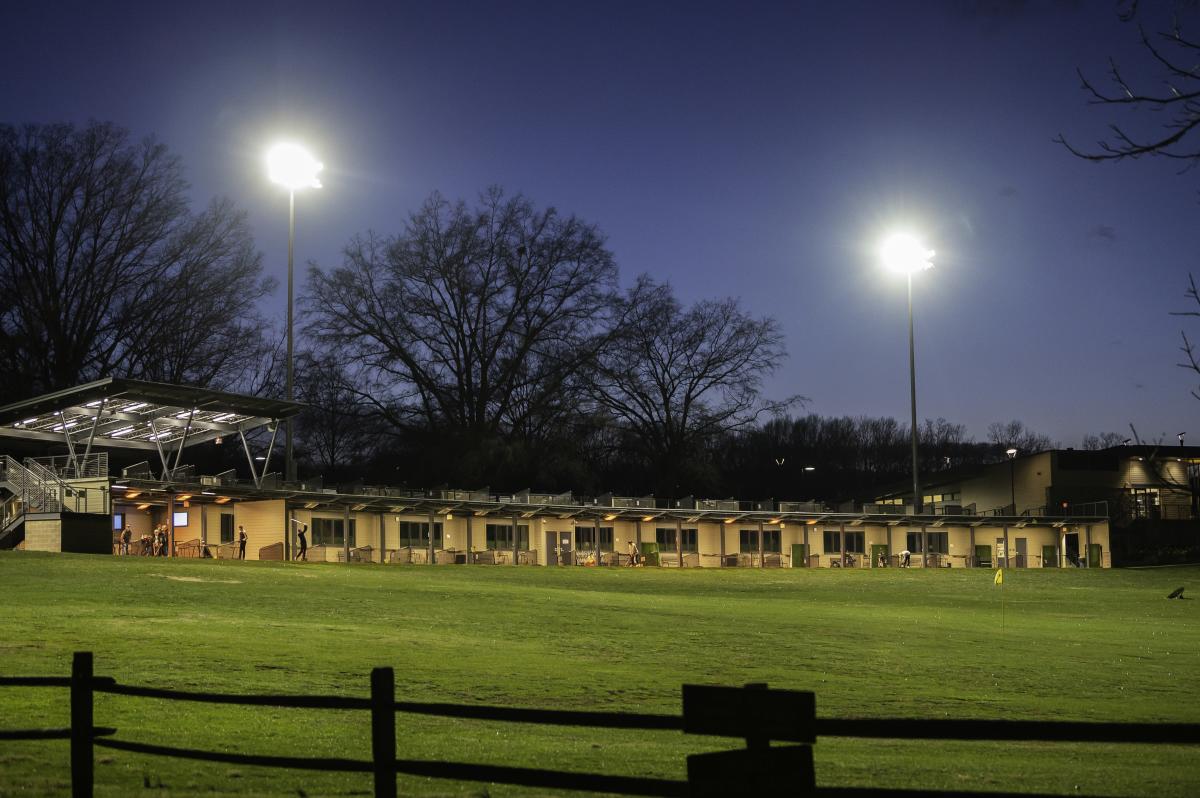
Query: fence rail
x,y
754,713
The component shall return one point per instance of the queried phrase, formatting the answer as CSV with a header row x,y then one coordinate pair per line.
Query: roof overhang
x,y
135,414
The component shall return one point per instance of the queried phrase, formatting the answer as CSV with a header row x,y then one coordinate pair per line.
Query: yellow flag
x,y
999,580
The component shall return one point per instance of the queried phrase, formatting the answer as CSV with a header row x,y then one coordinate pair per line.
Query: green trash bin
x,y
650,553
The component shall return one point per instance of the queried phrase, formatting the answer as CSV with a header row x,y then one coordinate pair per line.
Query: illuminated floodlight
x,y
1011,452
292,167
903,253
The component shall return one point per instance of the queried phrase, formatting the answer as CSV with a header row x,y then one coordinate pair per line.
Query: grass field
x,y
1082,645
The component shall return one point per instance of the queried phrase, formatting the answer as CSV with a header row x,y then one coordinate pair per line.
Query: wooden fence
x,y
758,715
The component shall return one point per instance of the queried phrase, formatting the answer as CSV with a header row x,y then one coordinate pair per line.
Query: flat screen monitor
x,y
181,519
118,520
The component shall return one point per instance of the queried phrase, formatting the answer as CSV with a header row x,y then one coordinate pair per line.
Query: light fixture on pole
x,y
292,167
905,254
1012,476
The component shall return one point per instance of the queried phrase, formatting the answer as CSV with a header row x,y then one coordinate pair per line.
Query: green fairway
x,y
1075,644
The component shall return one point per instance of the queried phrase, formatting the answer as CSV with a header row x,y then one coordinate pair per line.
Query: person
x,y
162,541
882,561
905,558
126,536
301,531
633,554
241,542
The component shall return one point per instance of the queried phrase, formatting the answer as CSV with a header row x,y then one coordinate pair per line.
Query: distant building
x,y
71,502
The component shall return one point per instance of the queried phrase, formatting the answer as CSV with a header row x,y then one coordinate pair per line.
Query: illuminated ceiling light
x,y
184,497
207,493
260,458
292,167
610,517
143,506
450,517
133,494
93,404
120,432
29,421
903,253
647,518
222,500
729,520
225,417
134,406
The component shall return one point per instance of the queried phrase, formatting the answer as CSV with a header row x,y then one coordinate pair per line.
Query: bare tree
x,y
474,322
337,429
1105,440
1175,101
679,377
1015,435
102,265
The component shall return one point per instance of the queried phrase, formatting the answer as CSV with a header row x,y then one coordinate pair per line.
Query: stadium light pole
x,y
1012,476
903,253
292,167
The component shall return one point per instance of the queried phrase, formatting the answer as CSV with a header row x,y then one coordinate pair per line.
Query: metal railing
x,y
67,467
36,495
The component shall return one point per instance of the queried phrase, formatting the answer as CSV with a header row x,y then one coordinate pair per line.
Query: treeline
x,y
484,344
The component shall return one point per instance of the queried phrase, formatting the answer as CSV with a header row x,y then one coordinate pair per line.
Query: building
x,y
70,502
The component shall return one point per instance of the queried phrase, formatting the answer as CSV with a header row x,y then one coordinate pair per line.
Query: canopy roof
x,y
135,414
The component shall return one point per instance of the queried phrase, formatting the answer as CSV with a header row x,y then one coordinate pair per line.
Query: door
x,y
1022,552
551,548
564,549
983,556
879,555
1072,549
1049,557
799,555
1095,555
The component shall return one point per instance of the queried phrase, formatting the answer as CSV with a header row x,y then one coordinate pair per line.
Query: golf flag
x,y
999,580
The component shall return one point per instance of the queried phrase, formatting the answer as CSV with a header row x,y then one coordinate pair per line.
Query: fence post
x,y
81,725
757,742
383,729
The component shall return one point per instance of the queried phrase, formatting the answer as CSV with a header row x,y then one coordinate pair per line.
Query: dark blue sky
x,y
759,150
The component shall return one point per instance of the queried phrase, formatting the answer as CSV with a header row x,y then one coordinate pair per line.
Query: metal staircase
x,y
33,489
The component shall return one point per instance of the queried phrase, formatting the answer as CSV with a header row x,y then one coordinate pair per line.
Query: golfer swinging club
x,y
301,531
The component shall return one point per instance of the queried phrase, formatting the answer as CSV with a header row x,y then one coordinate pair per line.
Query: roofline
x,y
396,505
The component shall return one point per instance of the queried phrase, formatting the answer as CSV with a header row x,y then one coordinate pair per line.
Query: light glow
x,y
903,253
292,167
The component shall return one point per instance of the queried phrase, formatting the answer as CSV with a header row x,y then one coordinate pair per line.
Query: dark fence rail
x,y
758,715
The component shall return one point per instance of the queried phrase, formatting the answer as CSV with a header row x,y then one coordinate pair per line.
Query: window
x,y
939,542
749,541
499,536
855,542
585,538
1146,503
833,541
416,534
328,532
226,527
666,539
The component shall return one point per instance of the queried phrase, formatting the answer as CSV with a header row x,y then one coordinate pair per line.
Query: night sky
x,y
758,150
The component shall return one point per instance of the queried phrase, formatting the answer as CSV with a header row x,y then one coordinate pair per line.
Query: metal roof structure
x,y
136,414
